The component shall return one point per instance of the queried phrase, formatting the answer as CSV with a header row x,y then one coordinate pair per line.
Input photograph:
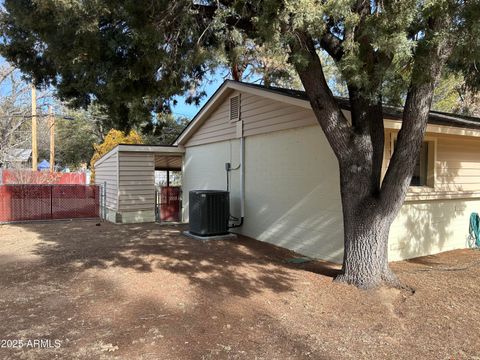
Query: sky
x,y
211,84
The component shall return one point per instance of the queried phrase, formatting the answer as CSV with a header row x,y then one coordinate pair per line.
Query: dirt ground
x,y
148,292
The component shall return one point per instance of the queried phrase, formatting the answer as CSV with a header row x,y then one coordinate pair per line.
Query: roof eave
x,y
223,90
437,118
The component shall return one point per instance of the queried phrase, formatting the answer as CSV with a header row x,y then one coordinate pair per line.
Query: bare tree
x,y
15,113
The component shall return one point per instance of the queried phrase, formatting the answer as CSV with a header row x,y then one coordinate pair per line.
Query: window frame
x,y
431,176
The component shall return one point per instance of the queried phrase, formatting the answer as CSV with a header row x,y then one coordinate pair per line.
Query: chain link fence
x,y
48,202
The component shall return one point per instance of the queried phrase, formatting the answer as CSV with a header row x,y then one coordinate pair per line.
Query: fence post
x,y
157,206
100,200
51,201
104,200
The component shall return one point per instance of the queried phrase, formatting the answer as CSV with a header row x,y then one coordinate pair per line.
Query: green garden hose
x,y
474,230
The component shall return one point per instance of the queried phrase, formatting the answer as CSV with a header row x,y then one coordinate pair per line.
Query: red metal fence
x,y
46,202
25,176
170,197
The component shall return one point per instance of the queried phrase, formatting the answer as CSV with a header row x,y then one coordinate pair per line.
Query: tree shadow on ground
x,y
241,266
321,267
93,317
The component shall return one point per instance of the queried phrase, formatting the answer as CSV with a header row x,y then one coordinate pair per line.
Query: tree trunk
x,y
365,263
370,205
366,228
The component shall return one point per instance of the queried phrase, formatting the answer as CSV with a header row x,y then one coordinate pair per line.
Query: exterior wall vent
x,y
235,108
209,212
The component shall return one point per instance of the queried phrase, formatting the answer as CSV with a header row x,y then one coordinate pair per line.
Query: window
x,y
235,108
424,171
420,172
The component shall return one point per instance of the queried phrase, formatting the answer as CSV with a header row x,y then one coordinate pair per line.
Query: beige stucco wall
x,y
291,188
292,183
292,192
204,169
429,227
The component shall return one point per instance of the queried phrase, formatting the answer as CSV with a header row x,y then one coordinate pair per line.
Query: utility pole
x,y
51,124
34,129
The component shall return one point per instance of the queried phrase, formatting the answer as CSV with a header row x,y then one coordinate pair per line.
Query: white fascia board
x,y
437,129
270,94
156,149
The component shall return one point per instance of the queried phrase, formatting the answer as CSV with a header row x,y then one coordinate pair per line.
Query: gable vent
x,y
235,108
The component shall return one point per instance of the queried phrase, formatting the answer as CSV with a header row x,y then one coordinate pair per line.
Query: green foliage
x,y
447,97
74,140
164,131
112,139
333,76
128,57
131,58
453,94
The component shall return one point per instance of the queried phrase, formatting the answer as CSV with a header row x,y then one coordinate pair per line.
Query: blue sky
x,y
211,84
181,108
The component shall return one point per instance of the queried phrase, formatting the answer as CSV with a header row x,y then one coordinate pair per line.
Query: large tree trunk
x,y
369,204
366,229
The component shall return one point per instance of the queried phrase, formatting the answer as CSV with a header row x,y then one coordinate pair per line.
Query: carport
x,y
127,176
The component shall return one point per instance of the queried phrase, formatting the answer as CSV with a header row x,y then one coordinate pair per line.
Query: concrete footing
x,y
216,237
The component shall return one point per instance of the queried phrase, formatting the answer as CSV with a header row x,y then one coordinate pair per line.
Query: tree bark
x,y
366,231
369,206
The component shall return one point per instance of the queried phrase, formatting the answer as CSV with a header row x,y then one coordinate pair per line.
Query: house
x,y
280,158
16,158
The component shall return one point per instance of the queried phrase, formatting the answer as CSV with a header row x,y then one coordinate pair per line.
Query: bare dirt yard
x,y
148,292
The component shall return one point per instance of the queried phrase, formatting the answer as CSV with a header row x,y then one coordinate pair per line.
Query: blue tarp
x,y
44,165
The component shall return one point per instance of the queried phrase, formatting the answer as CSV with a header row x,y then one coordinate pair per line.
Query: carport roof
x,y
168,162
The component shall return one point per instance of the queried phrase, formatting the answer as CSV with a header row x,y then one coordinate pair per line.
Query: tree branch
x,y
240,22
430,57
328,113
332,45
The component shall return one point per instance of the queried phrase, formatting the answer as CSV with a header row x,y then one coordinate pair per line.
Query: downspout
x,y
242,183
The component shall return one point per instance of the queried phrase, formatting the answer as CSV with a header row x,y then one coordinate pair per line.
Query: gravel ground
x,y
105,291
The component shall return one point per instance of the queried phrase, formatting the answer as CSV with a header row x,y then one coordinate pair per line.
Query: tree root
x,y
388,279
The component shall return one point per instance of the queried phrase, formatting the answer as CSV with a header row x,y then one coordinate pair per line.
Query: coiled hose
x,y
474,230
